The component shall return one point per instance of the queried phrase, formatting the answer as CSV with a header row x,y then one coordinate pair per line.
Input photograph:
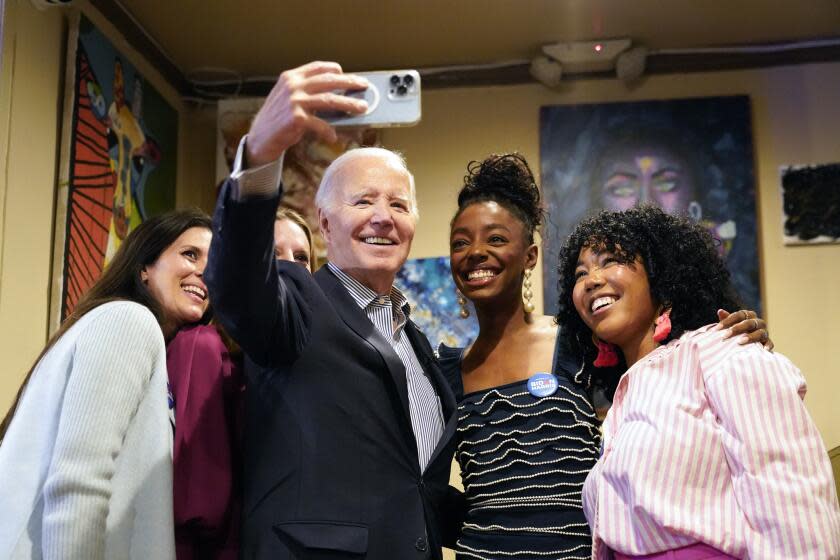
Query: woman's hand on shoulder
x,y
746,324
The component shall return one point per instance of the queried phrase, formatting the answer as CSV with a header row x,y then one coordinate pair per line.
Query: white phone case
x,y
393,100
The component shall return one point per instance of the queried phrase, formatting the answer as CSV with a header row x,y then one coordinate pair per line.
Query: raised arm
x,y
260,311
780,469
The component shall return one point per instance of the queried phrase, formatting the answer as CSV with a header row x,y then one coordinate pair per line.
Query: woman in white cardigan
x,y
86,451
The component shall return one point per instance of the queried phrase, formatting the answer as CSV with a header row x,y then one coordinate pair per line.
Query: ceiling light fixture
x,y
583,57
587,56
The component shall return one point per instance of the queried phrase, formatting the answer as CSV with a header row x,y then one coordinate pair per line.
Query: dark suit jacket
x,y
331,468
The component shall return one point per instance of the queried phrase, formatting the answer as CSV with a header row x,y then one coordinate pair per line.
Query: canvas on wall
x,y
688,156
118,163
430,290
811,203
303,164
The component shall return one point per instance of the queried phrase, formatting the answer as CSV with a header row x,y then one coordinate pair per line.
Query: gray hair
x,y
323,195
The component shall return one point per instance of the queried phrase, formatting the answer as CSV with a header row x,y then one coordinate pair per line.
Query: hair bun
x,y
508,180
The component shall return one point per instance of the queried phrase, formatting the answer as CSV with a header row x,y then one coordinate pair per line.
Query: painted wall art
x,y
118,163
689,156
811,203
428,285
303,164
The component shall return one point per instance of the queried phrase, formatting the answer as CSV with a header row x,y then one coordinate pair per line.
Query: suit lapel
x,y
441,385
356,319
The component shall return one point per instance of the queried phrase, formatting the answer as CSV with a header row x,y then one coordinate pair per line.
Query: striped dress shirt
x,y
709,442
387,314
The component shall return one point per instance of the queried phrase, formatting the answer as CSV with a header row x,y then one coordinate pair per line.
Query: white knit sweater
x,y
86,465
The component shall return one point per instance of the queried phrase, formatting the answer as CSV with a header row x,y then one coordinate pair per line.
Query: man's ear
x,y
324,224
144,276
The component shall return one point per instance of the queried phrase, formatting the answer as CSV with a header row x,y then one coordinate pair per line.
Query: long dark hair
x,y
121,278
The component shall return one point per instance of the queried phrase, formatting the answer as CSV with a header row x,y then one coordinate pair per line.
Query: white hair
x,y
324,194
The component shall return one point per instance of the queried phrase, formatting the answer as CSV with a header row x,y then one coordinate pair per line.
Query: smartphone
x,y
393,99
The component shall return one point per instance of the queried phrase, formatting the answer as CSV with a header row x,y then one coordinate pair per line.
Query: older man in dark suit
x,y
350,423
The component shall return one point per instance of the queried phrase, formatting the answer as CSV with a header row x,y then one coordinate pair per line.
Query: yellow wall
x,y
31,104
796,117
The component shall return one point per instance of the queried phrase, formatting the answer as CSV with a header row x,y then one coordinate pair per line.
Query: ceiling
x,y
264,37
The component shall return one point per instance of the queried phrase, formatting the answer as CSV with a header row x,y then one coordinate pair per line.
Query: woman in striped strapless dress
x,y
524,453
527,431
523,461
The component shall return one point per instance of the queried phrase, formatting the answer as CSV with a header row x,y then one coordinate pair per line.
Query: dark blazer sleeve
x,y
263,305
453,510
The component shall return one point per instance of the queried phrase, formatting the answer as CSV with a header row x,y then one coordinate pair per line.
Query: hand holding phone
x,y
289,110
393,99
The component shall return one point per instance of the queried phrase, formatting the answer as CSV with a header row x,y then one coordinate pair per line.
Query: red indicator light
x,y
599,47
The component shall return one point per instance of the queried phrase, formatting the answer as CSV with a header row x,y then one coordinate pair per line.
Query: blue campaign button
x,y
542,384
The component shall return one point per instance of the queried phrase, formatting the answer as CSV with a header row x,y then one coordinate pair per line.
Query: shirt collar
x,y
365,297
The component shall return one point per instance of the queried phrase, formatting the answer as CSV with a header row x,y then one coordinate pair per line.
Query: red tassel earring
x,y
606,354
663,326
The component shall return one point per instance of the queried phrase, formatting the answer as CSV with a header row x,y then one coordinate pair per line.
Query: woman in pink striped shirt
x,y
708,451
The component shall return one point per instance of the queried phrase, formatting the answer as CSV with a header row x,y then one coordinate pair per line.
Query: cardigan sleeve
x,y
781,474
113,360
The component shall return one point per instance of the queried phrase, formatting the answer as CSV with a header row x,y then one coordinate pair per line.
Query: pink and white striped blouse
x,y
709,441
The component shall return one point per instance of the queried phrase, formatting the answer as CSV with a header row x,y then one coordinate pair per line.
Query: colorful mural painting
x,y
428,285
119,161
688,156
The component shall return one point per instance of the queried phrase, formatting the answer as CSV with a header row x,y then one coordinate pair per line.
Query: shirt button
x,y
420,544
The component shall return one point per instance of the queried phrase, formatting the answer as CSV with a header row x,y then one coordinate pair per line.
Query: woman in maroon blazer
x,y
207,384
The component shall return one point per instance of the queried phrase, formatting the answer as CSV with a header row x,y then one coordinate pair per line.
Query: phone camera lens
x,y
395,80
408,80
402,90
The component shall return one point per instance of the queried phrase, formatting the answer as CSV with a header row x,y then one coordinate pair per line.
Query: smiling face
x,y
489,253
367,221
291,243
614,300
176,282
649,174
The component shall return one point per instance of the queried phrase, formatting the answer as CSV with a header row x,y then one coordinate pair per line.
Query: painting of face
x,y
368,224
687,156
291,243
176,279
489,252
646,175
613,298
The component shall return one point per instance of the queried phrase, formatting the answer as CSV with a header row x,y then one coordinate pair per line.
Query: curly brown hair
x,y
684,268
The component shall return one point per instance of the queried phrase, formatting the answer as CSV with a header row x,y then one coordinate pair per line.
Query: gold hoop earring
x,y
527,294
462,303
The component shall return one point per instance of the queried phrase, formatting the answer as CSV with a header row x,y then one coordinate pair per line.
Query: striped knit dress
x,y
523,460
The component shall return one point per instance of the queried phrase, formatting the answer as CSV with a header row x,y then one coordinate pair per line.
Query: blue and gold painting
x,y
428,285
